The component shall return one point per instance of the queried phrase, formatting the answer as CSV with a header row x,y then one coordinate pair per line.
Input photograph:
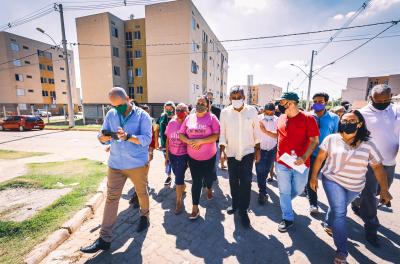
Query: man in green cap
x,y
297,136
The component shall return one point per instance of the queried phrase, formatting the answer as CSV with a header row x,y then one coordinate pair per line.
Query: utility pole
x,y
310,75
71,122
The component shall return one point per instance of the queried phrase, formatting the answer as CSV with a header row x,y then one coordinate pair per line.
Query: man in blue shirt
x,y
128,159
328,123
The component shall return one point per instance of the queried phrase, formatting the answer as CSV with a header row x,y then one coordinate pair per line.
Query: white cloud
x,y
338,17
350,14
250,6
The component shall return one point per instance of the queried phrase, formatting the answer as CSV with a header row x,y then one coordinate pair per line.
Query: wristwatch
x,y
128,136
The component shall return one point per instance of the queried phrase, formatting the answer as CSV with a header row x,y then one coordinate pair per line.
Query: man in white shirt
x,y
268,137
240,142
383,121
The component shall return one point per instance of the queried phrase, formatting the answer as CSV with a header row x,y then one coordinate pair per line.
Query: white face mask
x,y
268,117
237,103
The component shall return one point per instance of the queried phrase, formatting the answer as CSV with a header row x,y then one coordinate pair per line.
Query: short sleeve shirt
x,y
201,127
175,145
294,134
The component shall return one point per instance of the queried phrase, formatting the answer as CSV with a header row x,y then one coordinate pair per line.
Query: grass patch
x,y
18,239
78,127
11,154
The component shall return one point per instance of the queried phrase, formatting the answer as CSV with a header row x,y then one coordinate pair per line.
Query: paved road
x,y
216,237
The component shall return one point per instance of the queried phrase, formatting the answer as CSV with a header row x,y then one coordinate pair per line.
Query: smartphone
x,y
111,134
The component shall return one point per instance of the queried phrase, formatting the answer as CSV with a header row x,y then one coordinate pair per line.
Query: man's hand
x,y
122,135
385,197
299,161
314,183
104,139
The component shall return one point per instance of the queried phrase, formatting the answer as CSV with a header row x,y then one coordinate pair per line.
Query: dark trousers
x,y
201,170
240,176
312,196
367,200
263,167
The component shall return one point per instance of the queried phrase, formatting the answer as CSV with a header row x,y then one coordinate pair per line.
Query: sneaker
x,y
327,229
144,223
356,210
245,220
313,209
270,179
230,210
262,199
285,225
168,180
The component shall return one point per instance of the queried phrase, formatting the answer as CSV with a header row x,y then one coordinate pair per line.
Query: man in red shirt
x,y
297,136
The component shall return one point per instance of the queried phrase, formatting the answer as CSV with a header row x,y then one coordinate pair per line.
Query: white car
x,y
42,113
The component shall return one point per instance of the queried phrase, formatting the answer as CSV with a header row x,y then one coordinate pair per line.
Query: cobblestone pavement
x,y
217,237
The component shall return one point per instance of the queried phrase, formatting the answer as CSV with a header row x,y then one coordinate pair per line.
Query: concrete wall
x,y
267,93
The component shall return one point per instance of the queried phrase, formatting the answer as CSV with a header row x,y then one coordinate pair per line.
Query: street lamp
x,y
69,92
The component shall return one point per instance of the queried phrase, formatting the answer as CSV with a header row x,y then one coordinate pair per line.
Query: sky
x,y
234,19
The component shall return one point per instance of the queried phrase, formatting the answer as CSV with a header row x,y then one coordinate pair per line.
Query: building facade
x,y
358,88
261,94
33,76
171,54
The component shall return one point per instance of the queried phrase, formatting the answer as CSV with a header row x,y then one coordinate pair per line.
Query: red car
x,y
22,122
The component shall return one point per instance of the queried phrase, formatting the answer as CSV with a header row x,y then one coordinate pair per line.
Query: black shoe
x,y
99,244
262,198
230,210
144,223
245,220
134,201
285,225
270,179
372,238
356,210
168,180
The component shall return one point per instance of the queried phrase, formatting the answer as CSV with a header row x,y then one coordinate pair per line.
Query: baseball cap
x,y
270,107
290,96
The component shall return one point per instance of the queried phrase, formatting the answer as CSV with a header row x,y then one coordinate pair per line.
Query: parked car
x,y
42,113
22,122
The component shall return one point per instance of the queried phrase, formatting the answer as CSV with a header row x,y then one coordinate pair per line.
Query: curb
x,y
55,239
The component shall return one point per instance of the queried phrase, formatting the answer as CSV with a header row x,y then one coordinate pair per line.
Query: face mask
x,y
181,115
201,108
380,106
237,103
318,107
268,118
282,108
169,113
348,128
121,108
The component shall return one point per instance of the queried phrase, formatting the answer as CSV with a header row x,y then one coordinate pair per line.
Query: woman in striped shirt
x,y
348,155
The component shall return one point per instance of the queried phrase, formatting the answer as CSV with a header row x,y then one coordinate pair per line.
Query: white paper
x,y
289,160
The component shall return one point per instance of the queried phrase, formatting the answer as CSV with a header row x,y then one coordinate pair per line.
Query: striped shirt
x,y
347,165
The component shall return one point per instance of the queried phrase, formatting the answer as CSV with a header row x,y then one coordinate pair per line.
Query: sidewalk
x,y
217,237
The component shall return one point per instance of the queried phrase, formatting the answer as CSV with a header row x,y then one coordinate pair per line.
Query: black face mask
x,y
380,106
282,108
348,128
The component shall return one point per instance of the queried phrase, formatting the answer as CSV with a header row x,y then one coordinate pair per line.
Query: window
x,y
14,46
49,68
193,23
29,76
131,92
114,32
43,80
19,77
137,35
40,53
61,68
194,46
204,55
194,67
42,67
51,81
22,107
129,58
27,62
115,52
138,72
117,71
138,54
130,63
130,76
30,91
47,54
61,56
25,47
63,81
139,90
20,92
17,63
128,40
45,93
53,94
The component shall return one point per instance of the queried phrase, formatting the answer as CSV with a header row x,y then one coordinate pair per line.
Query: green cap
x,y
290,96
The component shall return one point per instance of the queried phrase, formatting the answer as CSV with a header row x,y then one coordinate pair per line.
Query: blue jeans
x,y
179,165
291,183
263,167
339,198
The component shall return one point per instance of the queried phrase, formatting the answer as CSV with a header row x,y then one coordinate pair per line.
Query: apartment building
x,y
261,94
358,88
171,54
33,76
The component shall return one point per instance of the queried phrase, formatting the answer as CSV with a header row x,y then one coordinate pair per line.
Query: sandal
x,y
194,215
178,209
209,194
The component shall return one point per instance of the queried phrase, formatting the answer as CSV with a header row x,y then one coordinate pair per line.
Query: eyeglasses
x,y
345,122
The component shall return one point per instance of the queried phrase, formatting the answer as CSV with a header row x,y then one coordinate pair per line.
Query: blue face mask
x,y
318,107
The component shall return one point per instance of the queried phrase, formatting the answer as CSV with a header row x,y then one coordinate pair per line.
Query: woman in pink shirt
x,y
176,153
200,131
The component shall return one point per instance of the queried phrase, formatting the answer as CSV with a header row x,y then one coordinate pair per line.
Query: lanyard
x,y
123,120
